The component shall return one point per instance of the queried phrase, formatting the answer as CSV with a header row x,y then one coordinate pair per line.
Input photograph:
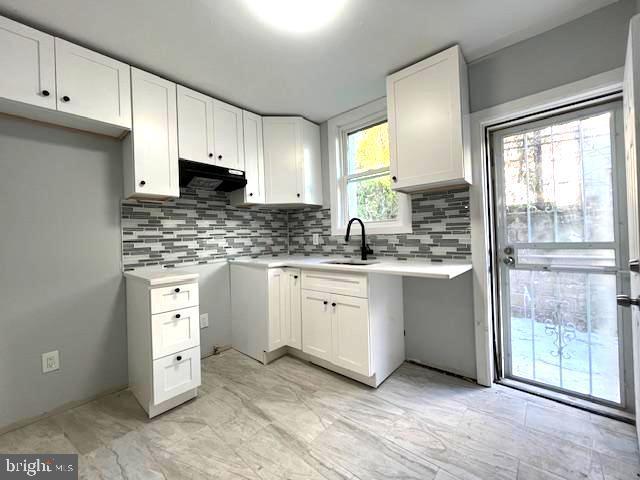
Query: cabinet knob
x,y
142,183
45,93
219,157
211,155
333,304
295,276
179,357
177,315
325,302
251,194
394,178
65,99
298,195
177,290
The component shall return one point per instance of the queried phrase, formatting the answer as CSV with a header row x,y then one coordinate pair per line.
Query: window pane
x,y
368,149
545,200
371,199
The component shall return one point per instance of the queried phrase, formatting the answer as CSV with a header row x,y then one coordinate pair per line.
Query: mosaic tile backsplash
x,y
201,226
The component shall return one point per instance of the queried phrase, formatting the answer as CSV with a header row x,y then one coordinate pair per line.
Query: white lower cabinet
x,y
336,329
163,334
360,335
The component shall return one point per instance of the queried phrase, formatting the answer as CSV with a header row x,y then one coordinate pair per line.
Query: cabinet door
x,y
310,170
28,65
282,150
227,133
253,157
278,332
195,126
294,312
92,85
425,122
316,324
350,328
155,141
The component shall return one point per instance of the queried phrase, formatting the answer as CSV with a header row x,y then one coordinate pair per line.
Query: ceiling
x,y
221,48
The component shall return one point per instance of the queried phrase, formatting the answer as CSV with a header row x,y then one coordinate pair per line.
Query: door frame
x,y
620,244
596,87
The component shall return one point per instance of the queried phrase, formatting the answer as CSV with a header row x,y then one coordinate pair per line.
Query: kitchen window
x,y
361,180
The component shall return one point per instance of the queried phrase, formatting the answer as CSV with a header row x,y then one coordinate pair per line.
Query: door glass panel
x,y
564,331
557,236
558,182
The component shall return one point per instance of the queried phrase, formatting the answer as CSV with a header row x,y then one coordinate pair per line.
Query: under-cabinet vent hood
x,y
210,177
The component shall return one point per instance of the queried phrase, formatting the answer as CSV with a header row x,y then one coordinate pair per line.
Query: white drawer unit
x,y
175,331
174,297
176,374
354,285
163,334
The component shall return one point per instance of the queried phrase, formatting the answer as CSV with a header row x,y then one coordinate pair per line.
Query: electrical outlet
x,y
50,361
204,320
316,238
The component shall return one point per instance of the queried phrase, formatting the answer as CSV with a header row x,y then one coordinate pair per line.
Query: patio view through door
x,y
558,240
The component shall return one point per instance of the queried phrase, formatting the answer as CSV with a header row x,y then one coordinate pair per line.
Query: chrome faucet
x,y
364,249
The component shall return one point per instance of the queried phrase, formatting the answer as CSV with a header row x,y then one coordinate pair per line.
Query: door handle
x,y
627,301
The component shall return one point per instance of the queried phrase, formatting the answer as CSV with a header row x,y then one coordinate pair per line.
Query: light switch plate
x,y
50,361
204,320
316,238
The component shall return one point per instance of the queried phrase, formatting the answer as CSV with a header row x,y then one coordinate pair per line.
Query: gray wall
x,y
215,299
587,46
438,319
61,284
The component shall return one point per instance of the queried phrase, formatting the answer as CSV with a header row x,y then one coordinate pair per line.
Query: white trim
x,y
336,126
601,84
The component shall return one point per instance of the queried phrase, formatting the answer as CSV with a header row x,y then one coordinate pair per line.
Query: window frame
x,y
339,128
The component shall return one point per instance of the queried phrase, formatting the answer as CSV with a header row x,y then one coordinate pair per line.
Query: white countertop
x,y
155,276
386,265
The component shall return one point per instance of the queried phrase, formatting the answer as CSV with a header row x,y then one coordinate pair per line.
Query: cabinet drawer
x,y
165,299
176,374
175,331
331,282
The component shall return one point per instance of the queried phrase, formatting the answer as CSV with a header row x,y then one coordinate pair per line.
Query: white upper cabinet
x,y
28,65
253,162
228,136
428,108
151,150
292,161
92,85
195,126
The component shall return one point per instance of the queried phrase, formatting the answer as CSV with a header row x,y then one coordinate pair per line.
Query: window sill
x,y
373,230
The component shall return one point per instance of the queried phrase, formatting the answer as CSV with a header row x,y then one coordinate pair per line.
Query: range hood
x,y
210,177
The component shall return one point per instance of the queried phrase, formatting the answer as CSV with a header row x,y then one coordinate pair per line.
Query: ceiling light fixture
x,y
296,16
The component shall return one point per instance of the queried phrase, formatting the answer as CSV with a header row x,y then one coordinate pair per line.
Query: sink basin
x,y
348,261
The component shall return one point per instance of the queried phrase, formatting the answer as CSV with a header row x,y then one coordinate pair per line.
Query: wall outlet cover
x,y
204,320
316,238
50,361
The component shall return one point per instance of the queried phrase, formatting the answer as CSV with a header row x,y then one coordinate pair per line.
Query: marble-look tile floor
x,y
292,420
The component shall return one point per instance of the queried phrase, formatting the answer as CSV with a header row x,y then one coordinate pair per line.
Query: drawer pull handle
x,y
177,315
179,357
177,290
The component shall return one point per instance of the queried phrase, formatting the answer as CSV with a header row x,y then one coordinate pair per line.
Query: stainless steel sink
x,y
348,261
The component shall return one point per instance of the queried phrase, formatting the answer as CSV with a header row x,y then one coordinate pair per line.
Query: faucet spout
x,y
364,249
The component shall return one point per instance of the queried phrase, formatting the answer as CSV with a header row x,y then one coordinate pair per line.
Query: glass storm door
x,y
559,252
